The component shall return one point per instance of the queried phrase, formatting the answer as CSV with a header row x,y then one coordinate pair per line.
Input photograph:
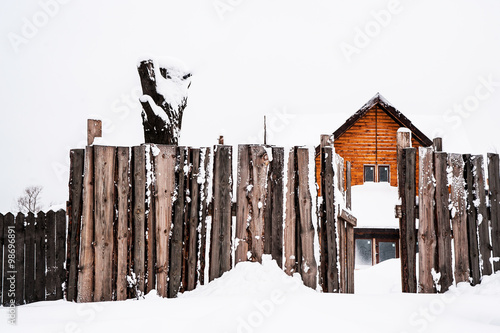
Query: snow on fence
x,y
459,218
166,218
33,257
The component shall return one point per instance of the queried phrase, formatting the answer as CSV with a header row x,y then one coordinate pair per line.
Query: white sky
x,y
261,57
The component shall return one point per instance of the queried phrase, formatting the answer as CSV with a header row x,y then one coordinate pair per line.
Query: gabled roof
x,y
394,113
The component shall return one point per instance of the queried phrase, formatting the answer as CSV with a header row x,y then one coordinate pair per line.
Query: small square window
x,y
369,173
383,173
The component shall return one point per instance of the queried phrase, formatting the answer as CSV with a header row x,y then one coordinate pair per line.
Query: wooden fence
x,y
458,210
32,265
161,217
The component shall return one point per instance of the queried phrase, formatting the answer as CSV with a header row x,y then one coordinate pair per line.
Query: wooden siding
x,y
370,141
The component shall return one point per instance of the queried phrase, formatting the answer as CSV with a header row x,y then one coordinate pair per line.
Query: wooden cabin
x,y
368,140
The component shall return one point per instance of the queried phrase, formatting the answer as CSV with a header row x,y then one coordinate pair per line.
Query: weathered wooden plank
x,y
50,236
20,259
443,227
483,226
437,144
408,235
494,183
259,164
94,130
165,187
348,189
86,263
403,140
9,264
150,254
123,194
348,217
309,268
205,175
40,247
472,227
459,218
74,222
351,245
290,217
194,220
329,238
243,188
139,217
276,184
176,255
29,256
426,231
1,255
104,194
220,252
60,271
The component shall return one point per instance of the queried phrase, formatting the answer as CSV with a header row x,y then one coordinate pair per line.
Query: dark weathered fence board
x,y
290,217
60,272
122,187
104,168
494,182
242,205
351,245
150,254
139,223
175,270
74,221
194,217
9,264
426,231
50,278
483,225
40,253
443,227
165,186
86,263
472,227
309,268
1,256
205,157
20,259
29,259
273,235
408,235
459,218
220,244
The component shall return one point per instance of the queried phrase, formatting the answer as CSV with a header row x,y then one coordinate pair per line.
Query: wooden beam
x,y
348,217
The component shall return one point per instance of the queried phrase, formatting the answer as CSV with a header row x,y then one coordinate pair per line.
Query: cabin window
x,y
383,173
369,173
386,250
363,252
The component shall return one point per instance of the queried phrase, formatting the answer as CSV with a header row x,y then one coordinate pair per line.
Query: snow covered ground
x,y
261,298
373,205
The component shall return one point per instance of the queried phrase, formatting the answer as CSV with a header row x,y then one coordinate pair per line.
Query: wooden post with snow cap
x,y
94,130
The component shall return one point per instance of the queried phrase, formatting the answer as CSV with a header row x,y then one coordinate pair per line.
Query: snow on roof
x,y
373,205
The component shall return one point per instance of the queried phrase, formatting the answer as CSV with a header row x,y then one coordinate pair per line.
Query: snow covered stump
x,y
164,84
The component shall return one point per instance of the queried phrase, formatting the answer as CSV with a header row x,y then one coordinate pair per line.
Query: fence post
x,y
29,275
205,157
194,211
290,243
1,256
459,218
40,245
494,182
122,186
275,183
473,246
443,227
242,206
426,231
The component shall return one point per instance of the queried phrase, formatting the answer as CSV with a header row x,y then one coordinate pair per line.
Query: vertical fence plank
x,y
86,263
443,227
205,156
9,267
259,165
472,236
29,266
290,217
276,221
483,226
426,232
309,267
40,246
139,200
50,236
408,233
351,246
329,240
104,167
242,205
20,259
459,218
165,187
122,187
220,244
60,272
175,270
150,247
194,219
1,256
74,223
494,182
